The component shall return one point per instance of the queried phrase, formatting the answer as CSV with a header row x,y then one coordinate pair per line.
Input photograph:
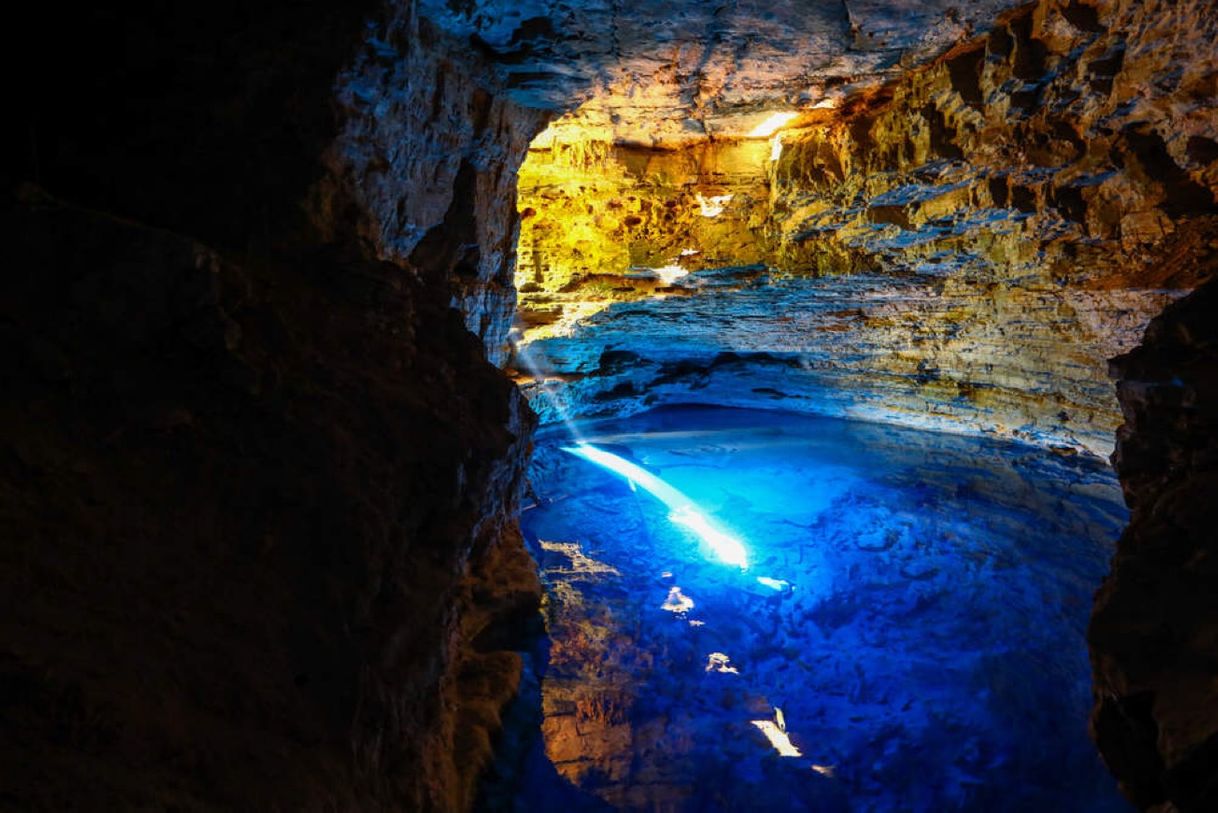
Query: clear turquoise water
x,y
922,633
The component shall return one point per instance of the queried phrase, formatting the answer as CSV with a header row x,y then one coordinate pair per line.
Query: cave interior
x,y
589,405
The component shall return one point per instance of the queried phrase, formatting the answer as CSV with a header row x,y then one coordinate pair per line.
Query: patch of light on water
x,y
778,738
684,511
720,662
677,602
774,584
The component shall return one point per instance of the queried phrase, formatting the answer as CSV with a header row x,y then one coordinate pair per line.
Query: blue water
x,y
912,614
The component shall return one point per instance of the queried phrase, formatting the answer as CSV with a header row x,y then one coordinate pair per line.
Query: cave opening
x,y
853,341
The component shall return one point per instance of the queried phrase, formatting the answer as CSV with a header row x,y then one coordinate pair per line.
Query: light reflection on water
x,y
908,635
683,510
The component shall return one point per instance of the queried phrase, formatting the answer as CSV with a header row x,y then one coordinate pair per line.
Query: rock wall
x,y
963,247
1152,632
604,223
426,160
259,481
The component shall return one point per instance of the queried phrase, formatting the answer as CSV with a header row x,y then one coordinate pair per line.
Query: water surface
x,y
907,635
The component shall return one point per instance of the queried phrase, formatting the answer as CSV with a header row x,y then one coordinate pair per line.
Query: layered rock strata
x,y
1153,629
963,247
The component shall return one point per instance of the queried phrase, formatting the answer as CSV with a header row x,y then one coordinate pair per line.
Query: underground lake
x,y
901,626
578,406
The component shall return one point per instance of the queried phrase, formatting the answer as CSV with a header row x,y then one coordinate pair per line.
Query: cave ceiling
x,y
664,74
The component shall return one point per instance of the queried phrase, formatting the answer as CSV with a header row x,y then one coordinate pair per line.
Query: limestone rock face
x,y
1153,629
427,159
963,247
259,536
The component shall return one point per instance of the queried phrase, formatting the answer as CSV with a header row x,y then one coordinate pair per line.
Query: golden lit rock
x,y
990,248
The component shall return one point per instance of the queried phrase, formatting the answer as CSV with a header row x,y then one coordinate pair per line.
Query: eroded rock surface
x,y
424,166
963,248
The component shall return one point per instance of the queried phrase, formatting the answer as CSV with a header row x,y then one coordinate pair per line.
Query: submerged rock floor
x,y
908,634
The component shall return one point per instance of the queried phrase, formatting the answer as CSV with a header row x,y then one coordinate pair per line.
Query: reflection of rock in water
x,y
578,562
586,724
908,633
